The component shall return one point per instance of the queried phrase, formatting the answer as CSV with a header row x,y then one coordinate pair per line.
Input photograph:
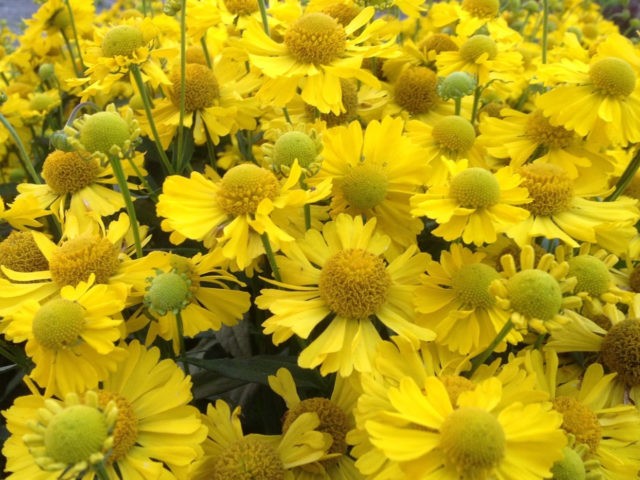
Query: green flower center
x,y
244,186
620,351
613,77
103,130
579,420
68,172
365,185
571,467
475,187
471,284
454,134
540,131
294,145
60,19
19,252
535,294
455,385
354,283
550,188
416,90
592,274
76,259
481,8
57,324
241,7
248,459
41,101
168,292
75,433
122,40
473,442
476,46
125,432
201,88
315,38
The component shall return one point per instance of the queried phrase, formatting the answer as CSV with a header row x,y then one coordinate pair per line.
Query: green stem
x,y
128,201
101,471
271,257
183,89
480,359
73,58
626,177
458,103
22,152
263,15
147,110
545,29
205,49
476,103
144,181
75,34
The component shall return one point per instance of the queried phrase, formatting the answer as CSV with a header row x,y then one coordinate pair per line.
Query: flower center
x,y
634,279
76,259
57,324
122,40
342,12
473,441
68,172
75,433
471,284
481,8
349,95
294,145
571,467
415,90
41,102
620,351
185,266
438,42
244,186
101,131
540,131
333,421
549,186
579,420
613,77
125,431
241,7
60,19
201,87
475,187
19,252
535,294
248,459
478,45
455,385
315,38
168,292
365,185
354,283
454,134
592,274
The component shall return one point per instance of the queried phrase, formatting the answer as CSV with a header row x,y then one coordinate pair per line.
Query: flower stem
x,y
476,103
22,152
128,201
180,162
101,472
270,256
75,35
481,358
626,177
263,15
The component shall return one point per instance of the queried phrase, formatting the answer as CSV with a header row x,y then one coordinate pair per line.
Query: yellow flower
x,y
22,213
341,273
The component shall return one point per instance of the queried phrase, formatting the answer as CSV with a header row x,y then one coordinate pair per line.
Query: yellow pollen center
x,y
634,279
620,351
540,131
455,385
549,186
315,38
592,274
613,77
125,431
76,259
438,42
342,12
19,252
122,40
473,442
349,94
535,294
481,8
244,186
201,87
579,420
476,46
454,135
471,284
365,185
241,7
248,459
68,172
475,187
57,324
354,283
416,90
102,131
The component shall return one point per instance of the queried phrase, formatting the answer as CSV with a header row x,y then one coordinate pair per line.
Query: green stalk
x,y
22,152
75,34
147,110
183,73
128,201
626,177
263,15
270,256
101,471
476,103
73,59
481,358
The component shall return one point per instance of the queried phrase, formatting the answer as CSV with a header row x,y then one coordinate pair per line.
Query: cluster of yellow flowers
x,y
400,235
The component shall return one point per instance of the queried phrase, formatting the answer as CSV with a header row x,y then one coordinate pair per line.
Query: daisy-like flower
x,y
469,16
336,419
316,52
23,212
137,425
236,211
374,173
341,274
455,302
479,436
535,291
474,204
230,454
71,338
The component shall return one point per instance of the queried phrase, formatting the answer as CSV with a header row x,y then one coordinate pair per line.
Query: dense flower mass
x,y
320,240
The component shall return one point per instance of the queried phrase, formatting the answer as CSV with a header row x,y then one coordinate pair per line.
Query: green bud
x,y
456,85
